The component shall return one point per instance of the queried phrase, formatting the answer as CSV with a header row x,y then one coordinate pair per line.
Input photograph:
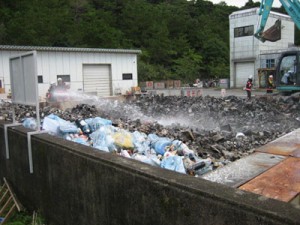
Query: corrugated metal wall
x,y
53,63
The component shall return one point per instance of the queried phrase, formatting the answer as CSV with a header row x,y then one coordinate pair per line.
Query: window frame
x,y
243,31
64,77
127,76
40,79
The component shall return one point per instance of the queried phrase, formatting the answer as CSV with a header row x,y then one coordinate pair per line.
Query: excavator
x,y
287,76
292,7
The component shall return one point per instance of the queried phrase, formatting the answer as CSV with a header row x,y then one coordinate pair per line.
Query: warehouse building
x,y
246,51
103,72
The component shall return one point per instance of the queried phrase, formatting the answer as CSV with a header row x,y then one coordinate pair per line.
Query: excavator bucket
x,y
273,33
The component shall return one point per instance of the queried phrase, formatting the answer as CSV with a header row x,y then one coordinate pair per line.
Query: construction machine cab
x,y
288,73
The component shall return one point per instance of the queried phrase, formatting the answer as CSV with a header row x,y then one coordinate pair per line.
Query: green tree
x,y
188,66
216,57
180,39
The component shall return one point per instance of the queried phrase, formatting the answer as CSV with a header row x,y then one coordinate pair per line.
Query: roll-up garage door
x,y
97,79
243,72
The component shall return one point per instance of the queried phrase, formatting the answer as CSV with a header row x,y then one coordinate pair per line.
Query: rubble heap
x,y
222,129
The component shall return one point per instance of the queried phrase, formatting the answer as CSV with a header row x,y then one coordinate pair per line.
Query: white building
x,y
104,72
245,49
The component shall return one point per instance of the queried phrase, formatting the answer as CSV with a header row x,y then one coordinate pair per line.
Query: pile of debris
x,y
99,133
216,130
228,128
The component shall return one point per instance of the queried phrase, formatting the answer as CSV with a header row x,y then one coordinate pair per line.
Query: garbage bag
x,y
123,139
55,117
159,143
82,141
141,142
30,123
58,126
51,125
151,160
125,153
182,148
173,163
97,122
67,127
102,139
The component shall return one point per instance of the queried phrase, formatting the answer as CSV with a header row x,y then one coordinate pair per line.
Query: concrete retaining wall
x,y
75,184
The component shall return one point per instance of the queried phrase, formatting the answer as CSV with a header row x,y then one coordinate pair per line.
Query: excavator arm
x,y
292,7
264,11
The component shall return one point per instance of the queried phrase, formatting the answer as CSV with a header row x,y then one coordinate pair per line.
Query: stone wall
x,y
76,184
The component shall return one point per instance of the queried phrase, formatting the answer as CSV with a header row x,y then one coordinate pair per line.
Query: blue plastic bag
x,y
174,163
97,122
102,138
150,159
81,141
30,123
159,144
67,127
141,142
58,126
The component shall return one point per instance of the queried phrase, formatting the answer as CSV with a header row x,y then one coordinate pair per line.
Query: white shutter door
x,y
96,79
243,72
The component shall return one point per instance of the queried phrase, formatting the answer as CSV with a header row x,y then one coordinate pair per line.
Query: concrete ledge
x,y
76,184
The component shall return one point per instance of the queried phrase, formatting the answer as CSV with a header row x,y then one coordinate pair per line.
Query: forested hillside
x,y
179,39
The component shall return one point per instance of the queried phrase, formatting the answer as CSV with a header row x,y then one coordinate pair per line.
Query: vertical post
x,y
30,147
6,142
37,105
6,137
13,114
30,152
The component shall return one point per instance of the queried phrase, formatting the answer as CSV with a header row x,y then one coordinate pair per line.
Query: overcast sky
x,y
240,3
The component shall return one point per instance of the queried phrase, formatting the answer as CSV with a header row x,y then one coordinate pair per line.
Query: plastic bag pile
x,y
100,134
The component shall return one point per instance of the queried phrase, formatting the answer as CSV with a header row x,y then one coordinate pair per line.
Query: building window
x,y
127,76
40,79
64,77
270,63
243,31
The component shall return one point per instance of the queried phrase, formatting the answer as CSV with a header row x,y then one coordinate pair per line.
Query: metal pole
x,y
30,147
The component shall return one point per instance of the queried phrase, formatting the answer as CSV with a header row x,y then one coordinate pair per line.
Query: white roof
x,y
253,11
67,49
245,11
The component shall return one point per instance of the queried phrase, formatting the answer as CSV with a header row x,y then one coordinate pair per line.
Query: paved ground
x,y
236,92
212,92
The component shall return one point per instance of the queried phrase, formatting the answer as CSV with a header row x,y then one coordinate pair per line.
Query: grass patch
x,y
24,218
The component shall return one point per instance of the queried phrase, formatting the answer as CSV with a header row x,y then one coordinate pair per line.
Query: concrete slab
x,y
243,170
287,145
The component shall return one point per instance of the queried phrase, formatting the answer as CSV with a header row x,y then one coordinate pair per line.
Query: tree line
x,y
179,39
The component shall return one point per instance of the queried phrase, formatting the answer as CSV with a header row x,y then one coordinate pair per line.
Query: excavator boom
x,y
292,7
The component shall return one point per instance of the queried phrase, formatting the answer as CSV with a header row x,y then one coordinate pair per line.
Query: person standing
x,y
61,90
61,86
249,87
270,84
50,94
